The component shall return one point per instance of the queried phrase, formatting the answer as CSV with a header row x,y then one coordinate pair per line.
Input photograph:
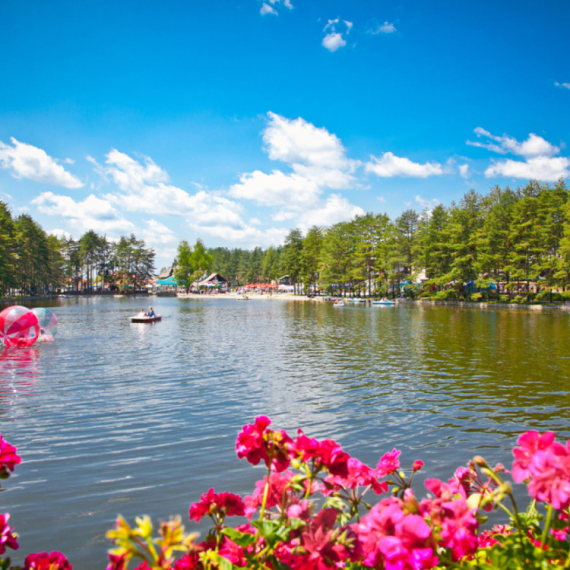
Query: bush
x,y
504,298
446,295
476,297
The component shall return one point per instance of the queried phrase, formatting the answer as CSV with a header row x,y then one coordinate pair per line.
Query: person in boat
x,y
150,313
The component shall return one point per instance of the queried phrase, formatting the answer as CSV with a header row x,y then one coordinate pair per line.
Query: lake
x,y
115,417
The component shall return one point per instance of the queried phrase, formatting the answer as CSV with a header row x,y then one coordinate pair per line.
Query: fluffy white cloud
x,y
276,189
61,234
335,32
565,85
156,233
144,189
390,165
90,214
538,154
540,168
317,158
333,41
247,236
27,161
268,7
464,170
297,141
335,209
385,28
532,147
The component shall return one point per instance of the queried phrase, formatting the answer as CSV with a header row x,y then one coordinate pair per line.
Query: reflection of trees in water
x,y
19,368
463,370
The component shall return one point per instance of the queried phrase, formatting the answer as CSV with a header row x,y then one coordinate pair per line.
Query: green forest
x,y
505,236
33,262
508,237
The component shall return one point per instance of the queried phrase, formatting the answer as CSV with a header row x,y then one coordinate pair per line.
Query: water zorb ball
x,y
48,324
18,326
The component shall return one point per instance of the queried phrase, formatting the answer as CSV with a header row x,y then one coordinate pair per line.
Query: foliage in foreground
x,y
313,511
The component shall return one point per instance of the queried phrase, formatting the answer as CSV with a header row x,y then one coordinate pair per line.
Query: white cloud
x,y
276,189
336,30
333,41
297,141
90,214
427,204
246,236
144,189
566,85
390,165
61,234
269,6
540,168
385,28
317,158
267,9
538,154
381,199
335,209
533,146
27,161
464,170
156,233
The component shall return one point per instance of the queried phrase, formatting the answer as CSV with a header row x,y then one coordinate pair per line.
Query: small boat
x,y
338,304
386,302
358,300
145,319
243,298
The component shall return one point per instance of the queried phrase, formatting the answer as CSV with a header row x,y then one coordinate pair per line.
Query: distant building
x,y
214,280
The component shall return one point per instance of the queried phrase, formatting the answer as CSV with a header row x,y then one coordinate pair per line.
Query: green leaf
x,y
243,539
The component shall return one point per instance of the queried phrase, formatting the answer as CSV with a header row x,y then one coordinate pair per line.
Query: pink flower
x,y
395,540
7,539
550,481
188,562
278,488
530,442
117,562
250,443
301,511
458,529
359,475
45,561
389,463
221,504
143,566
560,534
305,447
331,455
256,442
322,549
418,464
8,458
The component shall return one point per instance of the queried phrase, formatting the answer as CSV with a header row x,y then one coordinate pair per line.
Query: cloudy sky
x,y
237,120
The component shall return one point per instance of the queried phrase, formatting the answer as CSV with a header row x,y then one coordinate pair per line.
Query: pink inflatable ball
x,y
19,326
48,324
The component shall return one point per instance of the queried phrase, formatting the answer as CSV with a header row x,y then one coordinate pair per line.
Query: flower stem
x,y
265,494
547,524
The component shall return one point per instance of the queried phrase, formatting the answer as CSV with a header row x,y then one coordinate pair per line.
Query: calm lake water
x,y
136,419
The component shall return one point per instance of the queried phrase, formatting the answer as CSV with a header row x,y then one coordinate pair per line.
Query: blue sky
x,y
237,120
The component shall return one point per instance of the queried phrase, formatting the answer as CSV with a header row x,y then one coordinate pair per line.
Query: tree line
x,y
505,236
34,262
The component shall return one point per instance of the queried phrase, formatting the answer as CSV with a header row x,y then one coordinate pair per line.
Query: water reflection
x,y
134,418
19,369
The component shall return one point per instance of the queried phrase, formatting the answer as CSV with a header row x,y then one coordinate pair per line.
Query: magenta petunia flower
x,y
530,443
359,475
250,442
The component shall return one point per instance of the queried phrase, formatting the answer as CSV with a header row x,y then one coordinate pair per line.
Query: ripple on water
x,y
114,417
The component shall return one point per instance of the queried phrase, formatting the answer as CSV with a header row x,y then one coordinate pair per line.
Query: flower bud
x,y
478,460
